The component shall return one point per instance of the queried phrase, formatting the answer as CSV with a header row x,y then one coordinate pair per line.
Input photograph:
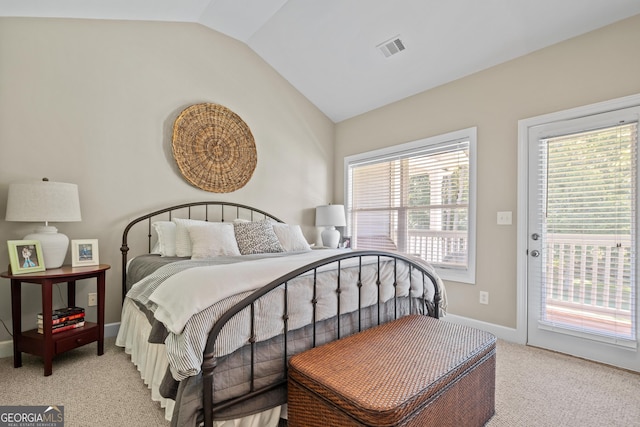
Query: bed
x,y
217,296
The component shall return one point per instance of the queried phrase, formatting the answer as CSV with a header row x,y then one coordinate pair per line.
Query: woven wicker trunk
x,y
414,371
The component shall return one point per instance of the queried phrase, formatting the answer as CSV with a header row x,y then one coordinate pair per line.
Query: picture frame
x,y
345,242
84,252
25,256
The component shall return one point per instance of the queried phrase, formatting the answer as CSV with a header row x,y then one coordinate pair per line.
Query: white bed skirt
x,y
151,361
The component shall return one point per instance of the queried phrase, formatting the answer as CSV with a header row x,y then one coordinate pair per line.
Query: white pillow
x,y
183,240
212,239
166,232
291,237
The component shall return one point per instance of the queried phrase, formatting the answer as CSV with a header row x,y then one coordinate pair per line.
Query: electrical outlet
x,y
484,297
504,218
93,299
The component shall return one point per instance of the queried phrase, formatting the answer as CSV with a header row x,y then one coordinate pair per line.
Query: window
x,y
417,198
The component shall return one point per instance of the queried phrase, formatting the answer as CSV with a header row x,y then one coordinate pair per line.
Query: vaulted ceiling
x,y
328,49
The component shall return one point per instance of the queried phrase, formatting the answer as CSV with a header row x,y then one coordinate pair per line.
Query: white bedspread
x,y
191,291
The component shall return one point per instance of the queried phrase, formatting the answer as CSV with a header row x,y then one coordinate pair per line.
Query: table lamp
x,y
45,201
330,217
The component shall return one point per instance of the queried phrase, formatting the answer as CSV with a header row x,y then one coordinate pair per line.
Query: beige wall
x,y
595,67
93,103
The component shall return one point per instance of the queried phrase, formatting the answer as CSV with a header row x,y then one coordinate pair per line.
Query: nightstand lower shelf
x,y
33,342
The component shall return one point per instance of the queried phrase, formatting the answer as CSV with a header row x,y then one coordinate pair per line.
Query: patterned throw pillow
x,y
256,237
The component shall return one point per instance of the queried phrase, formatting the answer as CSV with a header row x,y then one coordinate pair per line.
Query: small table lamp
x,y
44,201
330,216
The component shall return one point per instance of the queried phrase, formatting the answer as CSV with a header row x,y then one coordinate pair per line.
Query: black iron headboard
x,y
213,210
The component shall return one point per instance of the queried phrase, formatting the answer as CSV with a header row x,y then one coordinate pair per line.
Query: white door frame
x,y
523,199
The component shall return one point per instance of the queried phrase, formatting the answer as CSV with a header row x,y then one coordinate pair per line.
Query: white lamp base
x,y
54,245
330,237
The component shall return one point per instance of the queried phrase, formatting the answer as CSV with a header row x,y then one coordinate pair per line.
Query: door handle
x,y
535,253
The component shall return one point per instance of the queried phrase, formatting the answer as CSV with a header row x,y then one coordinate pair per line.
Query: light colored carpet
x,y
94,390
534,387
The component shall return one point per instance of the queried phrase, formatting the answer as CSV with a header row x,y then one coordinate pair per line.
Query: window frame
x,y
470,134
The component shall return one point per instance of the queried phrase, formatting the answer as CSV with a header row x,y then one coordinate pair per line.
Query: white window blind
x,y
588,208
414,199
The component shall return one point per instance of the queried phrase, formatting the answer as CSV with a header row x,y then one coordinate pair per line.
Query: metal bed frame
x,y
209,361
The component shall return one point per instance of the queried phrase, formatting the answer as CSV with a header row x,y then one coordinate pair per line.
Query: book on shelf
x,y
71,324
62,315
64,312
59,320
63,321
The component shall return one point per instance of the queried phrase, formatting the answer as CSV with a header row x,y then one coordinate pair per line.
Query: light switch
x,y
504,218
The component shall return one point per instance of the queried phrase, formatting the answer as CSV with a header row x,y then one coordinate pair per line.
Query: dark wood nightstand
x,y
47,344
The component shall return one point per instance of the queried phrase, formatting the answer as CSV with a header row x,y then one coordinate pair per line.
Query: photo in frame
x,y
346,242
84,252
25,256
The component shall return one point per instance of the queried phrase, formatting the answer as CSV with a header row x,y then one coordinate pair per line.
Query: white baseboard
x,y
6,347
111,329
502,332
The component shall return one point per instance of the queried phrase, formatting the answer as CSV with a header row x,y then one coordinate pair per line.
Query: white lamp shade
x,y
330,215
45,201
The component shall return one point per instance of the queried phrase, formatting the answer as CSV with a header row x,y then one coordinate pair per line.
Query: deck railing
x,y
588,278
439,247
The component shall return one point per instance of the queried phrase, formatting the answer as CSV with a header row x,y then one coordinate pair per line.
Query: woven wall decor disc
x,y
214,148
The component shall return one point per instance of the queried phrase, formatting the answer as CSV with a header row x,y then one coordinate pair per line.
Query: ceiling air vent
x,y
391,47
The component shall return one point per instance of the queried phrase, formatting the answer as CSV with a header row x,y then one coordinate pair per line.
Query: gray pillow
x,y
256,237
